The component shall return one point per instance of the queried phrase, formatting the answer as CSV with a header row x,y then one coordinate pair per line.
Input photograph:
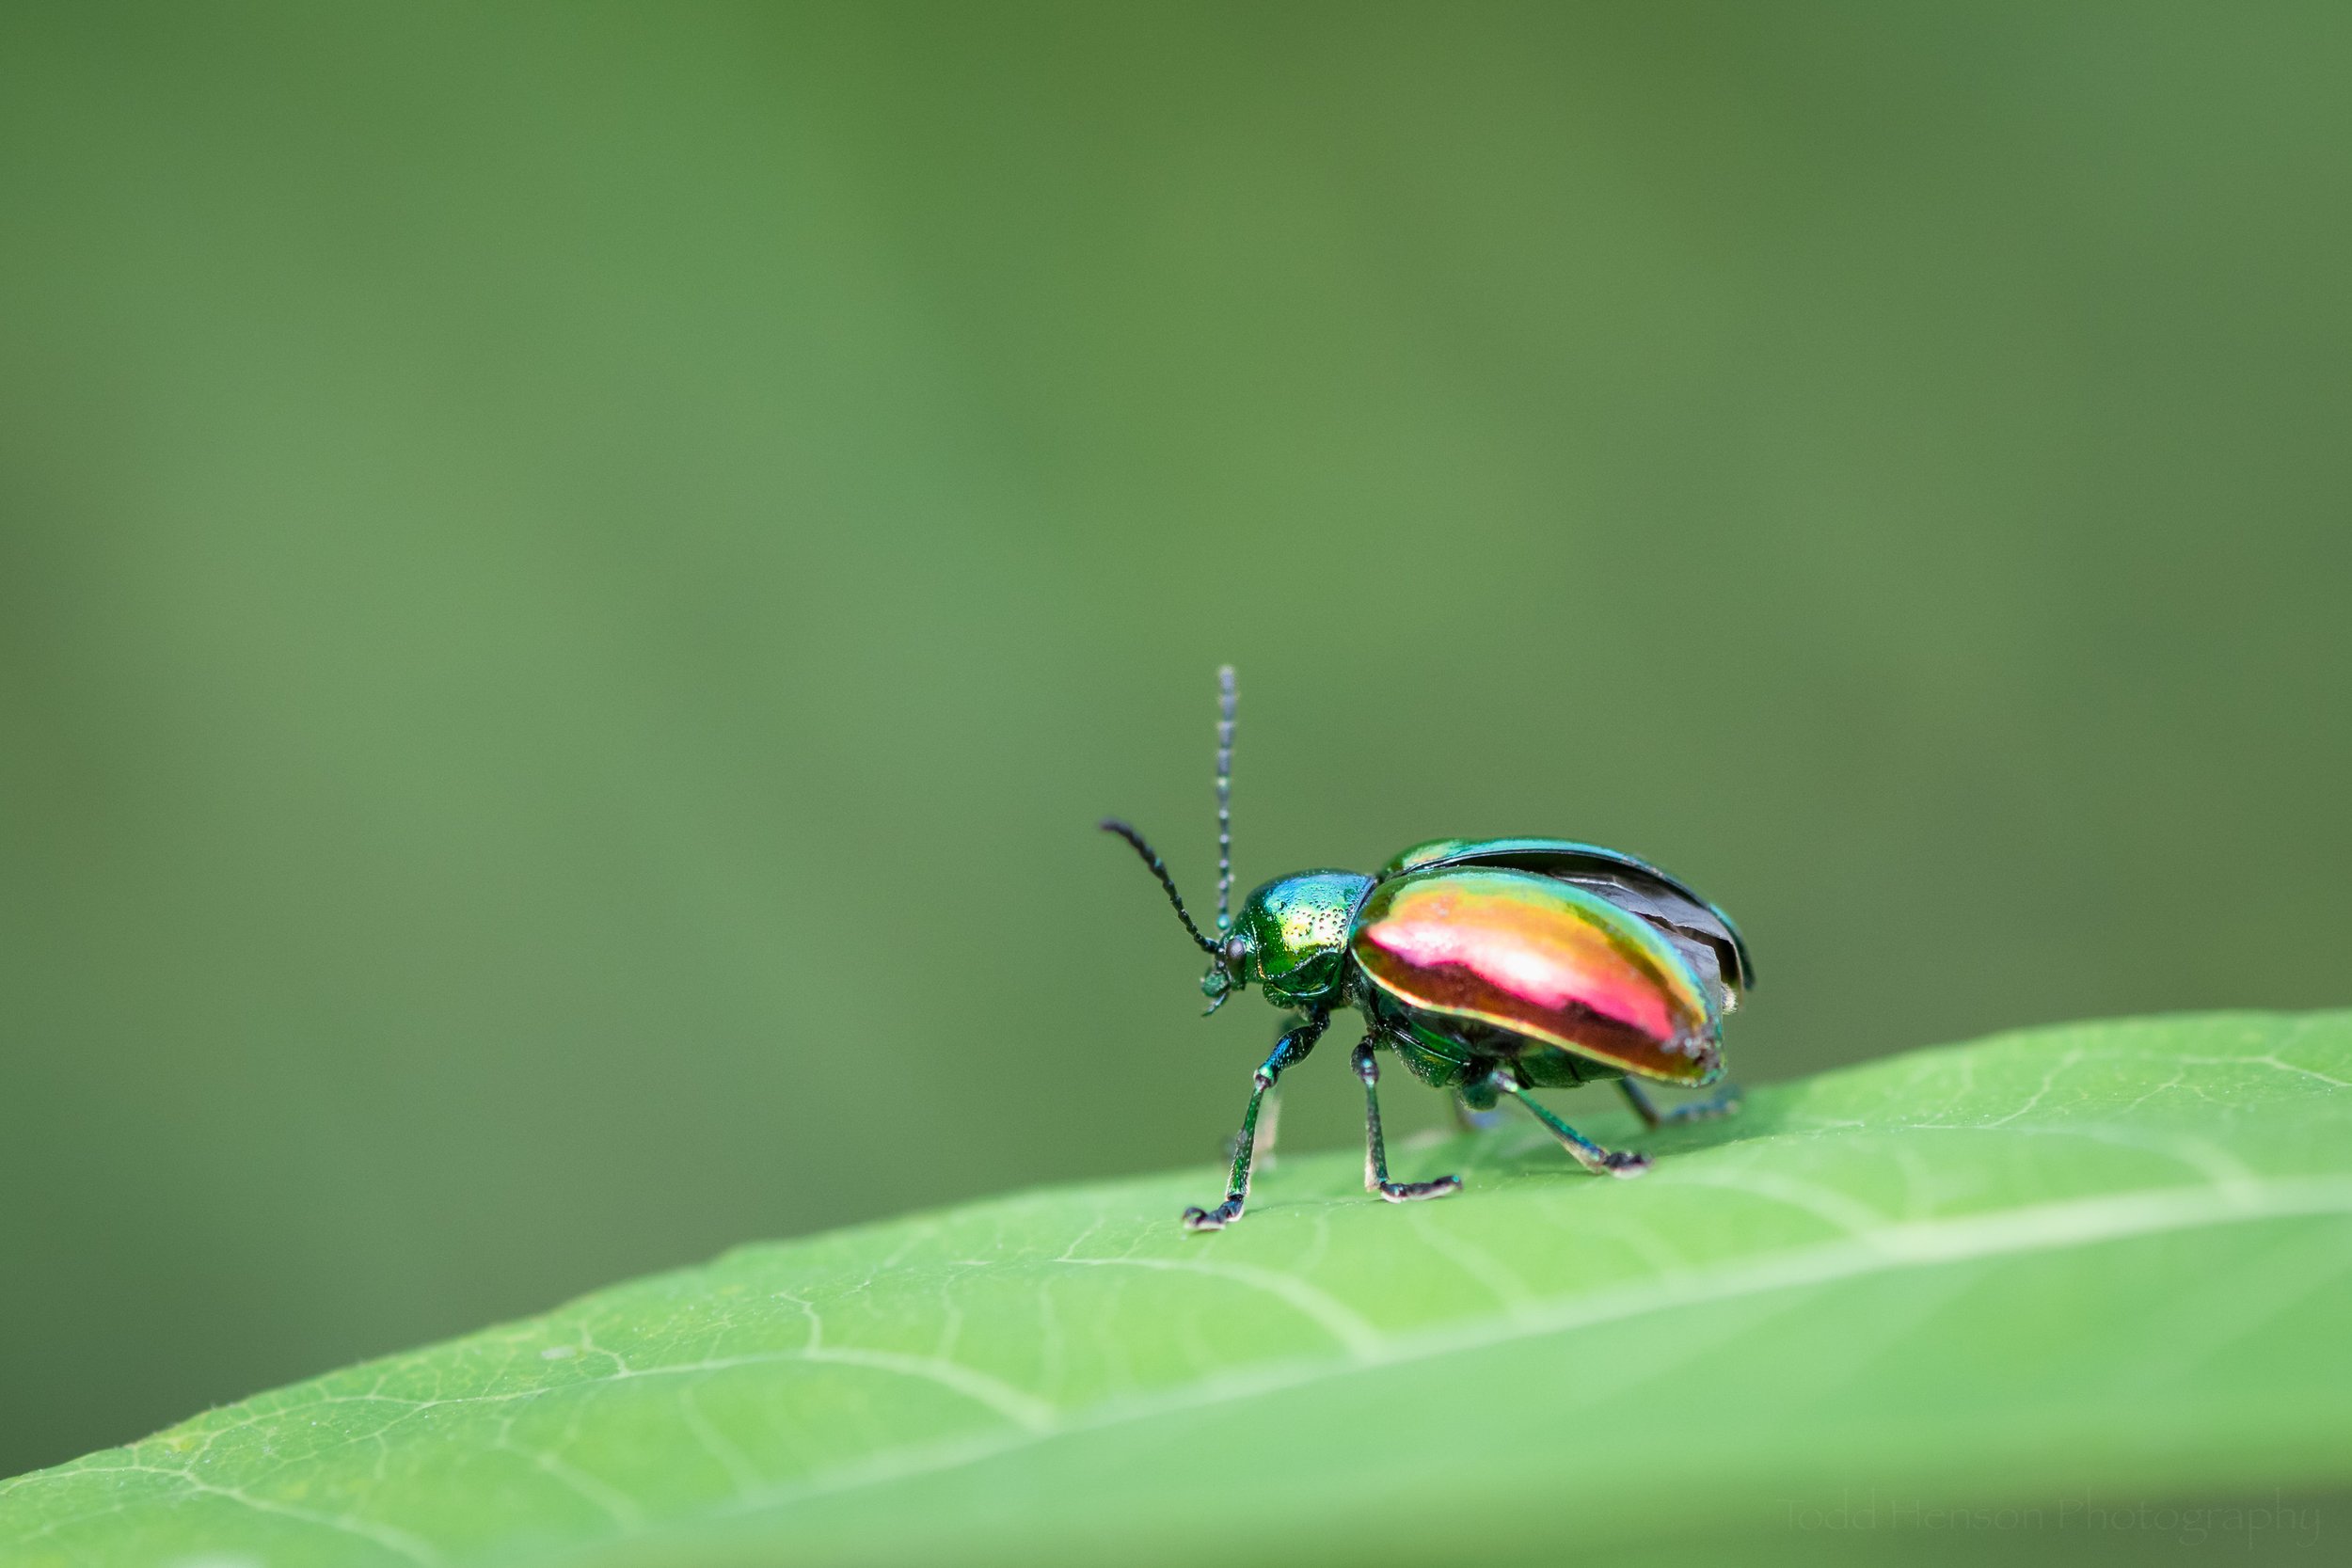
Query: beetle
x,y
1489,967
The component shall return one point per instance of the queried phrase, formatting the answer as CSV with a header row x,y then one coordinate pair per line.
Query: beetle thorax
x,y
1295,930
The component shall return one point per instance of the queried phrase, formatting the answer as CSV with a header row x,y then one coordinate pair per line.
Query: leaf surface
x,y
2062,1273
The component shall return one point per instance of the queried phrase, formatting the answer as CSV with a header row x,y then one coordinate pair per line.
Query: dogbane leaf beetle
x,y
1489,967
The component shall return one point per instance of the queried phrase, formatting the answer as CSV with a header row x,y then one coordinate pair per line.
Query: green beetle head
x,y
1290,939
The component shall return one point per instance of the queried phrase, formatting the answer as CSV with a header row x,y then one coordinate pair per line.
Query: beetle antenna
x,y
1225,705
1159,869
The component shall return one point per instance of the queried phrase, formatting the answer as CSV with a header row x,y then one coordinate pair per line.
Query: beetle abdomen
x,y
1542,957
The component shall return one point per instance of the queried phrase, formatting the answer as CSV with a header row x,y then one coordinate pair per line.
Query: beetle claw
x,y
1623,1163
1408,1191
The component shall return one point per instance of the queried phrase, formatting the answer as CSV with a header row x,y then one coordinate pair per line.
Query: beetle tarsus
x,y
1218,1218
1413,1192
1722,1103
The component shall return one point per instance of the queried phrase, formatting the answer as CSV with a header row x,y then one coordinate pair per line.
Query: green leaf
x,y
2074,1274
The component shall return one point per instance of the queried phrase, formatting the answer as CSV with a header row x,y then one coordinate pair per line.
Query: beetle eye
x,y
1236,954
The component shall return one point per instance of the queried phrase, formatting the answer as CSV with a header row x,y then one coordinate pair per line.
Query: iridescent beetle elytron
x,y
1488,966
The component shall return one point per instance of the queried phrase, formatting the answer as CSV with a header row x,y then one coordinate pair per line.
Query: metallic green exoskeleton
x,y
1488,967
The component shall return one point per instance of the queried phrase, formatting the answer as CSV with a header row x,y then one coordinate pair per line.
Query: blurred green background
x,y
573,581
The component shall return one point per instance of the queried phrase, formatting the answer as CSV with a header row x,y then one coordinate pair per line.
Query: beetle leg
x,y
1720,1103
1287,1050
1468,1120
1375,1151
1599,1160
1262,1146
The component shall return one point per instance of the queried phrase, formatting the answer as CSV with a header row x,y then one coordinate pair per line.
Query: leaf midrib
x,y
1895,1245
